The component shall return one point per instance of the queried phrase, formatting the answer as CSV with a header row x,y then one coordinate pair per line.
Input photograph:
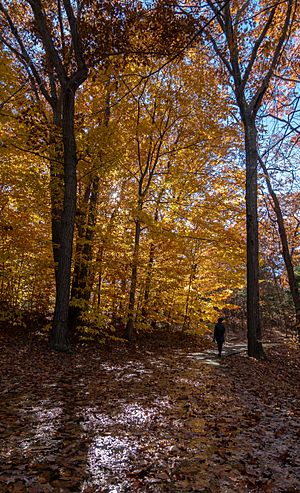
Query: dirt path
x,y
147,421
232,347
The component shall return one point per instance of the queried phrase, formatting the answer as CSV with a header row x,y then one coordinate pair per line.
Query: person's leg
x,y
220,344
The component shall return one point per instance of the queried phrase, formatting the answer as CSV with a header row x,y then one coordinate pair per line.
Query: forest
x,y
149,185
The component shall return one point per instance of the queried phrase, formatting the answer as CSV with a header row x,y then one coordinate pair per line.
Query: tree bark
x,y
186,321
148,281
253,312
81,285
56,186
100,262
249,103
130,331
82,282
59,339
285,247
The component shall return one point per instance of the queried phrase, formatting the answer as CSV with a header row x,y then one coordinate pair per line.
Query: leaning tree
x,y
249,39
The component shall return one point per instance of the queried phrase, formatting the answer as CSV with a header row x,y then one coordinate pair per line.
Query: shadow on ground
x,y
141,421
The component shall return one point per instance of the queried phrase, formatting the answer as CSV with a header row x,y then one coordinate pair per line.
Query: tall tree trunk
x,y
249,101
186,322
59,336
253,312
82,282
148,281
123,296
100,262
285,247
81,285
56,185
130,326
151,255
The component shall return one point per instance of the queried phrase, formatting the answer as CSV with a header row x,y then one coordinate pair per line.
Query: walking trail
x,y
168,417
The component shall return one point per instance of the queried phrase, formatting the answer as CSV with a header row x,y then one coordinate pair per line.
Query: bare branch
x,y
50,49
23,56
81,74
241,11
61,27
220,54
255,49
233,48
11,96
258,97
218,13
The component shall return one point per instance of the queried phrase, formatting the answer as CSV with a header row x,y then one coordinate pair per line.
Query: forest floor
x,y
165,416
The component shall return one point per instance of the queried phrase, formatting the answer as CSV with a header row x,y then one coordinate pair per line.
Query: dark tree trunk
x,y
82,279
121,302
253,312
81,285
186,321
59,336
130,326
100,262
67,72
56,186
285,247
148,281
249,101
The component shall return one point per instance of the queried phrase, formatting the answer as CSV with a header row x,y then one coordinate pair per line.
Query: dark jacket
x,y
219,333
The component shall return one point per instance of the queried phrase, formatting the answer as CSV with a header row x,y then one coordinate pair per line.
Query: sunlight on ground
x,y
131,365
130,414
112,456
93,418
192,383
135,414
39,425
131,371
109,456
138,375
43,424
162,402
209,357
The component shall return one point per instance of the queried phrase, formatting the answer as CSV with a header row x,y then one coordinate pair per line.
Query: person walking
x,y
219,335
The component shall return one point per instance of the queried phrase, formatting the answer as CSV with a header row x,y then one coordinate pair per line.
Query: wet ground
x,y
140,420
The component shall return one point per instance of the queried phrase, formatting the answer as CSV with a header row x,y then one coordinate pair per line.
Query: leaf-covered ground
x,y
153,418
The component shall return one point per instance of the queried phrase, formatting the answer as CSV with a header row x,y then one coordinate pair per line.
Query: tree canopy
x,y
138,157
